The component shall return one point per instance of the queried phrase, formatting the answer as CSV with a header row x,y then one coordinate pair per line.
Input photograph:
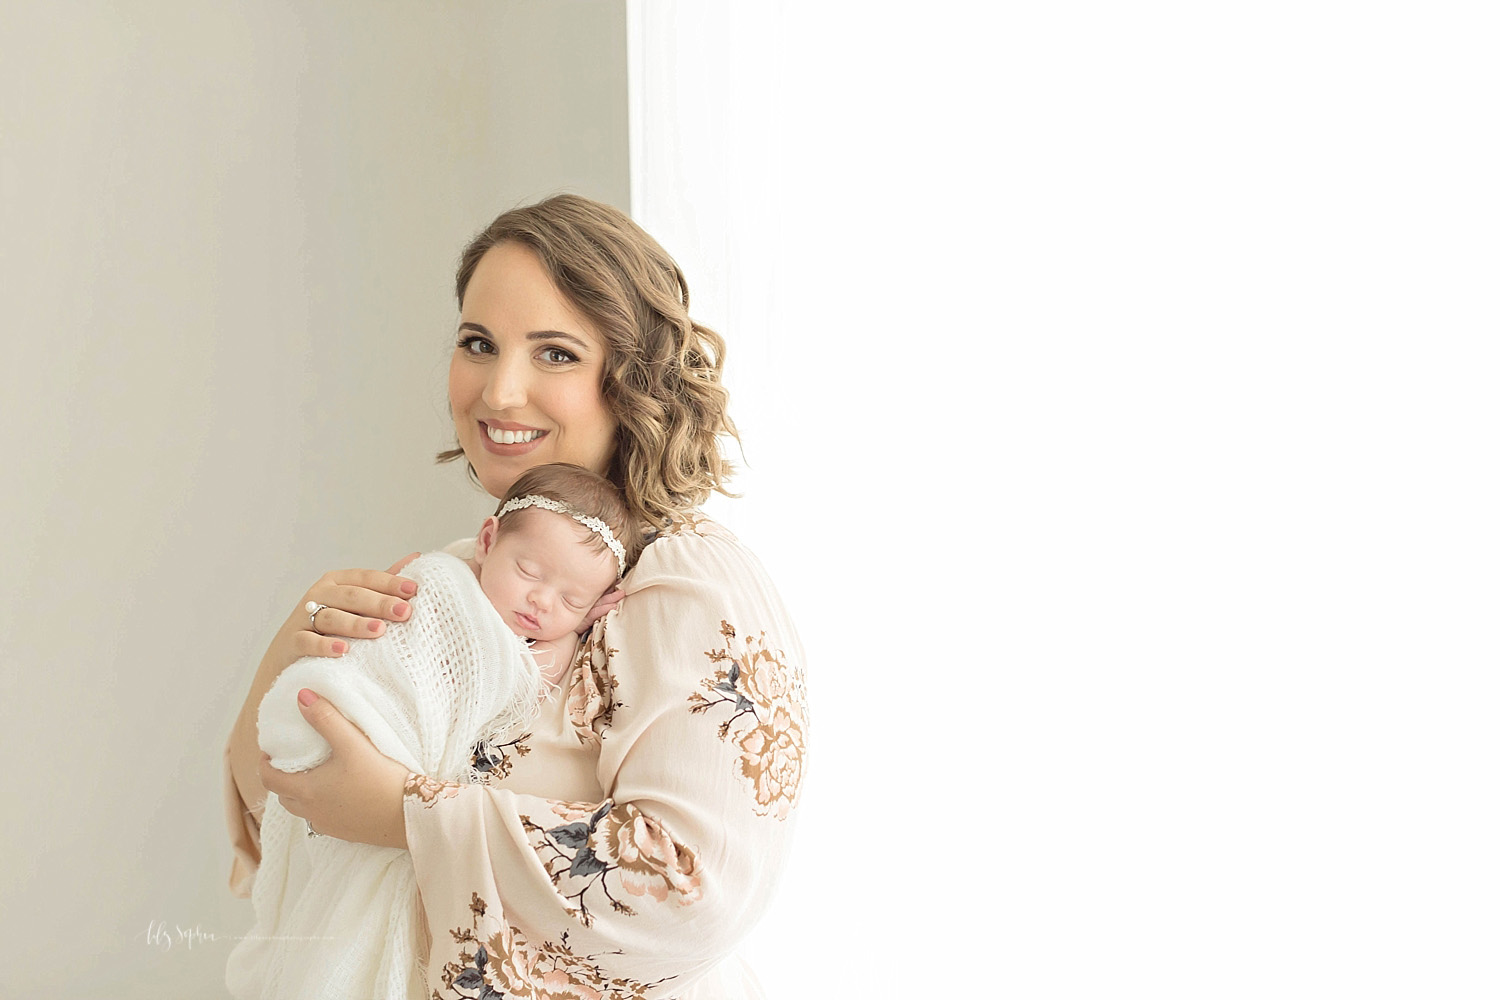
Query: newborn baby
x,y
486,638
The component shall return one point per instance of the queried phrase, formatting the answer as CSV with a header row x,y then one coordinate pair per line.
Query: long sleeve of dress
x,y
687,712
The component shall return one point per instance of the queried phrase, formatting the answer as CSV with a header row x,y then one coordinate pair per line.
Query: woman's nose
x,y
506,389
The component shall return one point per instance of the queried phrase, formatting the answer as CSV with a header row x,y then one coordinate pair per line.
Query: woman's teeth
x,y
512,437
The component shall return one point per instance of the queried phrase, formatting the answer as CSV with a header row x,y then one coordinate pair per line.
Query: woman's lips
x,y
514,448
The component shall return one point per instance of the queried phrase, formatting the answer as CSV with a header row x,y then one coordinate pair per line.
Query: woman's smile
x,y
503,438
501,434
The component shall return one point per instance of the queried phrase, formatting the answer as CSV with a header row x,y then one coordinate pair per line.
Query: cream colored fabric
x,y
626,843
337,920
423,691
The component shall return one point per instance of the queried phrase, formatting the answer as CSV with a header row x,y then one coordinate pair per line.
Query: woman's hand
x,y
355,795
357,603
602,607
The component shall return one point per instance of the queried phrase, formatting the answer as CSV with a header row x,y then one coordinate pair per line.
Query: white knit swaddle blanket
x,y
335,920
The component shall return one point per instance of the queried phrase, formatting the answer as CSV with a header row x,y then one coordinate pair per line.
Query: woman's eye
x,y
473,344
557,356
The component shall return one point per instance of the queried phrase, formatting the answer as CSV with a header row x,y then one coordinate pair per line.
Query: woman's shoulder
x,y
697,603
698,573
692,525
461,549
696,546
441,564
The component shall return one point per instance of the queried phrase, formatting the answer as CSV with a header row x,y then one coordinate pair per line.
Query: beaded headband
x,y
595,525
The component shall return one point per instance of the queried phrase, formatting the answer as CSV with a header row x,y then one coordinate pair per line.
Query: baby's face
x,y
544,577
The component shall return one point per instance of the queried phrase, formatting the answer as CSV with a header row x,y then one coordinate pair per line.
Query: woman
x,y
625,845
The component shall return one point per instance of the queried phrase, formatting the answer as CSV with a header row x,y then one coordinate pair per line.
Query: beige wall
x,y
227,241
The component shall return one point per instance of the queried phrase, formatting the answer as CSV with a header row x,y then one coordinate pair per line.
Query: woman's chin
x,y
494,484
497,475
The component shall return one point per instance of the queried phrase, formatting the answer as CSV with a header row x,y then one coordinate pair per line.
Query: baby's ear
x,y
486,538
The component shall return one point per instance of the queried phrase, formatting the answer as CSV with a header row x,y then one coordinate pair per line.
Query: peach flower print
x,y
502,962
772,762
429,790
590,699
595,845
651,863
768,699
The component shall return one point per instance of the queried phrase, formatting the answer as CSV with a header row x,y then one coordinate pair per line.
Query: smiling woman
x,y
626,843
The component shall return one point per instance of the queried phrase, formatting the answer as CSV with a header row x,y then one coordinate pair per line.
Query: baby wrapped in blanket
x,y
485,637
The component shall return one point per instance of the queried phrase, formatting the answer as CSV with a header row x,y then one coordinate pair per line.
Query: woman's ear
x,y
486,537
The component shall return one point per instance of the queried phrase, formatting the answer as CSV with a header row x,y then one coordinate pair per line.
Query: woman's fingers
x,y
293,789
373,589
602,607
327,720
331,621
305,643
355,604
373,579
356,794
401,564
279,782
355,612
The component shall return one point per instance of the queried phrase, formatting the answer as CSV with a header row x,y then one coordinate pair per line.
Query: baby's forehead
x,y
590,579
548,529
568,548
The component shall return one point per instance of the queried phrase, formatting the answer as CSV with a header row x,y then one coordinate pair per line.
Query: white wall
x,y
227,241
1119,386
1130,363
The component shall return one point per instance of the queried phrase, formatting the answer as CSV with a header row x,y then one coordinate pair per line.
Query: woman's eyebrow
x,y
557,335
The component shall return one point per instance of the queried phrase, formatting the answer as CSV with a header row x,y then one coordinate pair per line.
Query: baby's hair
x,y
584,491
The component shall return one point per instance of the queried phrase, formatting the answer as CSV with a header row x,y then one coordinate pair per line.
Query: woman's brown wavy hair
x,y
663,379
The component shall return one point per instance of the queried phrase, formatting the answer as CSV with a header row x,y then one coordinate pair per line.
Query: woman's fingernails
x,y
375,626
306,697
408,588
340,647
402,609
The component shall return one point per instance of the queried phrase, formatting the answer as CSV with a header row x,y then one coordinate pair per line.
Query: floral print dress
x,y
625,844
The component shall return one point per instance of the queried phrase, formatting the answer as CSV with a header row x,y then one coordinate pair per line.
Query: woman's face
x,y
525,384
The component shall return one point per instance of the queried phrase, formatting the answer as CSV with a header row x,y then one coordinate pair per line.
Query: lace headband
x,y
595,525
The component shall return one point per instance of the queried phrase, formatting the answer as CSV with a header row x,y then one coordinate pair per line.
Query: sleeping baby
x,y
486,639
